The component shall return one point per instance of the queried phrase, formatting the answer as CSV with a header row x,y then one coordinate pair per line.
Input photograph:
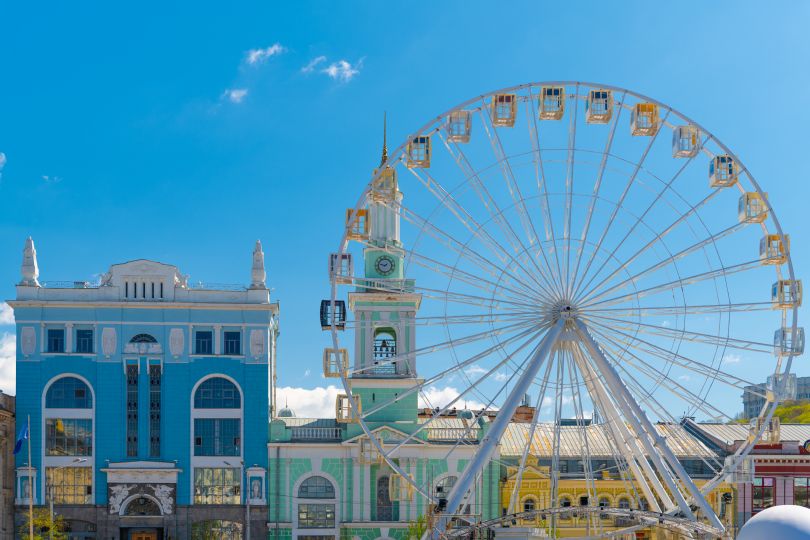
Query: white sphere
x,y
785,522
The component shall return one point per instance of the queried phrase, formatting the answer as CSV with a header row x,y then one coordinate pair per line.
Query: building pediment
x,y
142,472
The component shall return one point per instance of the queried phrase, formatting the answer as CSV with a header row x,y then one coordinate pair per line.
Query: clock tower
x,y
385,306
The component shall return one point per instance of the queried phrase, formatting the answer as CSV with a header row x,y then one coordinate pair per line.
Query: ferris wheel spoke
x,y
671,260
465,251
679,359
542,187
473,318
625,443
442,374
640,219
569,191
555,449
644,425
579,413
679,283
660,237
513,188
441,411
652,372
634,311
438,347
697,337
618,206
649,399
495,212
530,439
471,224
597,186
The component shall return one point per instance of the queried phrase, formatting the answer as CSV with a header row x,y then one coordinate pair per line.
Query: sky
x,y
183,132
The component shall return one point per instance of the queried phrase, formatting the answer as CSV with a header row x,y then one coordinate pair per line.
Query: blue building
x,y
148,401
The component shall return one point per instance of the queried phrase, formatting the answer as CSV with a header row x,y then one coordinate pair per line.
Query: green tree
x,y
43,526
417,528
794,412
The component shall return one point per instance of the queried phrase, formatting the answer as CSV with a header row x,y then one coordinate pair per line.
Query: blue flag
x,y
23,436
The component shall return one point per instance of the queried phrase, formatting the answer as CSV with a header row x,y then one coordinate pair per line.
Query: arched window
x,y
565,502
69,393
385,344
604,502
316,487
217,393
444,486
316,504
142,506
385,510
643,504
624,503
143,338
529,505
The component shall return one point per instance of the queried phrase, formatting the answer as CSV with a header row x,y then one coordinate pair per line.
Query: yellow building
x,y
610,488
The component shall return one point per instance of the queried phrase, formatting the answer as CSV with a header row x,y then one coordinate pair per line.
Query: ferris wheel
x,y
581,252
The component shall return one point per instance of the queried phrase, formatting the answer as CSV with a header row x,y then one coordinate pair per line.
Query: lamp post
x,y
50,491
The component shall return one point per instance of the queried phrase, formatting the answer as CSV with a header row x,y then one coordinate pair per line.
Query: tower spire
x,y
385,139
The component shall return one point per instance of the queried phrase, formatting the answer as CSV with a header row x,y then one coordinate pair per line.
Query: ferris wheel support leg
x,y
497,429
643,424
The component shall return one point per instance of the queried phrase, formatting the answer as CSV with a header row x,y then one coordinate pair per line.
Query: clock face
x,y
384,265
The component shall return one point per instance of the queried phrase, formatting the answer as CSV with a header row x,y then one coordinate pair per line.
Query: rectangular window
x,y
68,437
762,494
70,485
56,340
801,492
132,410
316,516
217,436
217,485
154,410
84,341
203,342
233,343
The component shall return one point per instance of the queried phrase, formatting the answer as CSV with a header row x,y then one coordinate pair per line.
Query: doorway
x,y
143,535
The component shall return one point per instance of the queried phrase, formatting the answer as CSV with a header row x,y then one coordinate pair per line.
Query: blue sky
x,y
152,130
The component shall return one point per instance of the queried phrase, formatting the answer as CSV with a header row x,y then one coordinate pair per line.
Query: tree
x,y
794,412
417,528
43,526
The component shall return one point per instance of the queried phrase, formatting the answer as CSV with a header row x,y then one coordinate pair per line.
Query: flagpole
x,y
31,486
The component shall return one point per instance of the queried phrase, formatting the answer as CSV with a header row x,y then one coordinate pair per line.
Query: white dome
x,y
785,522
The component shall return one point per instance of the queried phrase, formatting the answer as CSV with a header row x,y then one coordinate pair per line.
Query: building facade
x,y
137,389
7,475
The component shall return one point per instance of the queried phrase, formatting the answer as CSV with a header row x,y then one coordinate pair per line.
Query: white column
x,y
69,337
217,339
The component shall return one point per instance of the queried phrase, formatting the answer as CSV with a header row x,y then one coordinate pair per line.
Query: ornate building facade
x,y
137,390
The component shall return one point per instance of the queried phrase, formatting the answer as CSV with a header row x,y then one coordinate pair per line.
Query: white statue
x,y
30,270
118,493
257,274
163,493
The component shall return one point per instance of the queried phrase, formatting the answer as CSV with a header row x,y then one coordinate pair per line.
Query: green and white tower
x,y
384,307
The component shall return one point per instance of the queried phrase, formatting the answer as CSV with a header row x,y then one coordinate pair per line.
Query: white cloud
x,y
8,363
731,359
6,314
318,402
501,376
51,179
2,163
310,67
342,70
666,324
307,372
235,95
548,401
683,377
258,56
474,370
439,397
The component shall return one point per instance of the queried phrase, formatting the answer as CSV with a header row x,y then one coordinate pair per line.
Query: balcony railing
x,y
208,286
316,433
68,285
443,434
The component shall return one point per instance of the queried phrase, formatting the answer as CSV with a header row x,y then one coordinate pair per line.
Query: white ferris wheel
x,y
577,248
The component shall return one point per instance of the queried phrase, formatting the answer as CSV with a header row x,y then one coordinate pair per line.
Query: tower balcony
x,y
385,285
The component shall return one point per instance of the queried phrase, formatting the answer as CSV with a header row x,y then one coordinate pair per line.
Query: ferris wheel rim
x,y
438,122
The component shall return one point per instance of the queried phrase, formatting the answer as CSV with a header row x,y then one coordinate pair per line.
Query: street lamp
x,y
246,491
49,489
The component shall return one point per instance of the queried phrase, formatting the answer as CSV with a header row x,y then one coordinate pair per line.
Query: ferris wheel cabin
x,y
772,250
599,107
341,267
504,110
685,143
343,409
459,126
786,294
552,102
419,152
644,120
335,362
722,171
786,343
752,208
